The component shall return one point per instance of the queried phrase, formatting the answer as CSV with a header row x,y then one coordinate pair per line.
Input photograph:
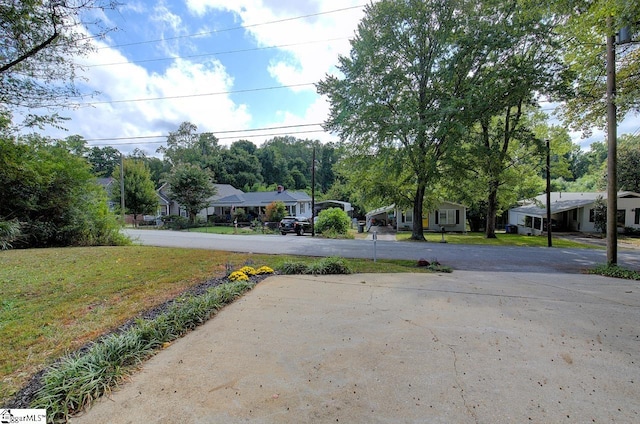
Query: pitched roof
x,y
262,198
562,202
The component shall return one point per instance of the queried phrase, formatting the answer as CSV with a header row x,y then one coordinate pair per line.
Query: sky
x,y
240,69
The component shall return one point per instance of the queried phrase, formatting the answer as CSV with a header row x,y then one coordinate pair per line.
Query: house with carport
x,y
449,216
571,212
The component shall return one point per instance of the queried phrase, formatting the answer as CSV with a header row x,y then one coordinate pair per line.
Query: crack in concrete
x,y
459,384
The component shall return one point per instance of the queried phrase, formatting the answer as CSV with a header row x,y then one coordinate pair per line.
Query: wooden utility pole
x,y
313,192
122,186
612,151
549,226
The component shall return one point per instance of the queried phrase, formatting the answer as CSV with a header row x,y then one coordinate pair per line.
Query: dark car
x,y
295,224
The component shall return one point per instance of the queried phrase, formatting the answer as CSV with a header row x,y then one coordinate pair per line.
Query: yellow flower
x,y
264,270
238,276
247,270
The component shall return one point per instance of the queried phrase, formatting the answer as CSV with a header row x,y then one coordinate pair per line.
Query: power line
x,y
219,138
218,53
217,132
216,31
218,93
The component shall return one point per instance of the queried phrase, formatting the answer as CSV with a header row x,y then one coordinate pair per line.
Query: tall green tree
x,y
191,186
103,160
187,145
400,103
519,63
629,163
40,43
140,197
588,24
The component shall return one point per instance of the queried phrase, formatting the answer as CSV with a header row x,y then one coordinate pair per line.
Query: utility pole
x,y
549,226
624,36
122,186
612,150
313,192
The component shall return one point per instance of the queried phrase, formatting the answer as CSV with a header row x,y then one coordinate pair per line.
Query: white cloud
x,y
129,81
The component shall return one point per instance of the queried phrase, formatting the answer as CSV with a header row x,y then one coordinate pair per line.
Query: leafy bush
x,y
333,221
175,222
239,214
275,211
55,195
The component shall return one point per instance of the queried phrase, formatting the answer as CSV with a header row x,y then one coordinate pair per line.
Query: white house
x,y
449,215
571,212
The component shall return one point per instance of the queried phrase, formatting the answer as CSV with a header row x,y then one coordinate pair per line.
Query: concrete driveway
x,y
467,347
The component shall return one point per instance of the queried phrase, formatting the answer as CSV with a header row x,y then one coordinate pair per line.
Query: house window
x,y
636,220
447,217
528,221
592,215
621,217
537,223
301,208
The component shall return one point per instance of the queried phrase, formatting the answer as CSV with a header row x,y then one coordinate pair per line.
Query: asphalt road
x,y
459,257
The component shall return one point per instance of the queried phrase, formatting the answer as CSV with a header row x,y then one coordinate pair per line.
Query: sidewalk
x,y
466,347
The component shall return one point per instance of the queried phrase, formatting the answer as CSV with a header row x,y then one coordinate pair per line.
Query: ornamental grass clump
x,y
323,266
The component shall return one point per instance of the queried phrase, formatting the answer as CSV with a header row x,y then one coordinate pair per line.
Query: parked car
x,y
295,224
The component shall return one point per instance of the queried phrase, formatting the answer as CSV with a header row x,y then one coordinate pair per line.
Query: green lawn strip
x,y
221,229
500,240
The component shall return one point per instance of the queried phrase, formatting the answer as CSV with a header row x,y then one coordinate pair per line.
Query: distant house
x,y
297,203
448,215
228,198
571,212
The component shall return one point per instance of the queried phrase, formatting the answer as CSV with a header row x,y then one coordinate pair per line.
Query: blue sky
x,y
227,66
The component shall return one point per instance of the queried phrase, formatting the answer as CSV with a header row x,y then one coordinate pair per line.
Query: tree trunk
x,y
418,231
492,205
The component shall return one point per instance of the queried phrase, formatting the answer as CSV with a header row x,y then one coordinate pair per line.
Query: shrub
x,y
275,211
175,222
333,221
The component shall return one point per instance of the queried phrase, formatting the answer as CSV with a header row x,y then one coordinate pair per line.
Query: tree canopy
x,y
41,41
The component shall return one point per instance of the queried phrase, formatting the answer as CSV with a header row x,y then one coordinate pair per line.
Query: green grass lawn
x,y
56,300
501,240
